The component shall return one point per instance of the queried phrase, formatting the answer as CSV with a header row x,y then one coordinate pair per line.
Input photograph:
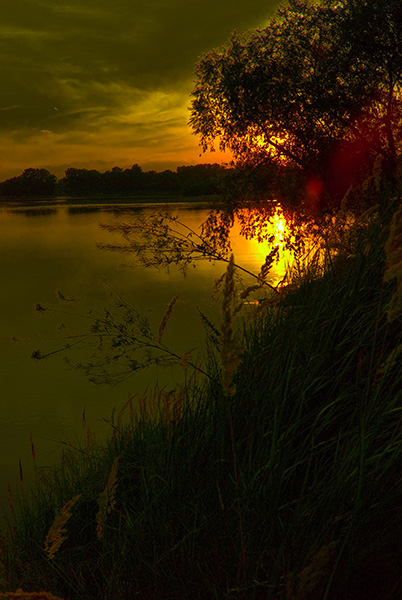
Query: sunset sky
x,y
95,83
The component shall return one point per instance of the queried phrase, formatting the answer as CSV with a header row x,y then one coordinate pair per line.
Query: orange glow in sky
x,y
86,85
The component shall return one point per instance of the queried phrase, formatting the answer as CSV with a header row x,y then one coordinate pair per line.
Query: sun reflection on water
x,y
279,226
275,232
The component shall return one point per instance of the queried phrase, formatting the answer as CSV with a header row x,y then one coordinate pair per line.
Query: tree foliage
x,y
32,182
196,180
318,90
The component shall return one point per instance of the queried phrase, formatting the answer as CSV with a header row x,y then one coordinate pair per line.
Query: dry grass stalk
x,y
20,471
21,595
57,532
127,405
172,405
130,405
10,497
107,499
184,361
142,407
89,440
393,264
230,350
165,318
32,449
192,379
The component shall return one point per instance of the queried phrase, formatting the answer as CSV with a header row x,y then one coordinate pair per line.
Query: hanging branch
x,y
161,240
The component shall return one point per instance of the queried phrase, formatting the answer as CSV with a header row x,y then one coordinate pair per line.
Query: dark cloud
x,y
84,67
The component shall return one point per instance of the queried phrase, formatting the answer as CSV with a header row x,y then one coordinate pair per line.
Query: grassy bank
x,y
283,483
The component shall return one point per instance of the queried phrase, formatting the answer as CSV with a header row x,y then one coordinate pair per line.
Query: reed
x,y
107,499
33,455
57,533
230,349
165,318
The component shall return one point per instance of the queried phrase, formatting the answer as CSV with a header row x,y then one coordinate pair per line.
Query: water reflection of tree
x,y
161,240
78,210
35,212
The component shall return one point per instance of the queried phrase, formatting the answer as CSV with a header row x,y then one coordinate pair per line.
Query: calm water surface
x,y
48,249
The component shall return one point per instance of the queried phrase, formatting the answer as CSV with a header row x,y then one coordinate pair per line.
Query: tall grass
x,y
284,483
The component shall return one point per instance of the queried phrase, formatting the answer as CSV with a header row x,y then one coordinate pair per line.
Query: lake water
x,y
52,248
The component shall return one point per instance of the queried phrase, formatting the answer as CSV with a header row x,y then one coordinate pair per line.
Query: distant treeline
x,y
197,180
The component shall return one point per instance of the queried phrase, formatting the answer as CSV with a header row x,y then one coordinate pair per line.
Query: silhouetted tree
x,y
373,31
199,180
112,182
134,179
32,182
189,181
318,89
168,182
82,182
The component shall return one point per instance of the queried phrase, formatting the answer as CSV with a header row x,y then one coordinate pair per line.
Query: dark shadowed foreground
x,y
276,477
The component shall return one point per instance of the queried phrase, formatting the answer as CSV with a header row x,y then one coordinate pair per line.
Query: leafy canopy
x,y
318,90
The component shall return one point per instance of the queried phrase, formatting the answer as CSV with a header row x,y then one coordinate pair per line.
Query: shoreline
x,y
106,201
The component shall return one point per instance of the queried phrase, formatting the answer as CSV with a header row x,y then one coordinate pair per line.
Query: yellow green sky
x,y
99,83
